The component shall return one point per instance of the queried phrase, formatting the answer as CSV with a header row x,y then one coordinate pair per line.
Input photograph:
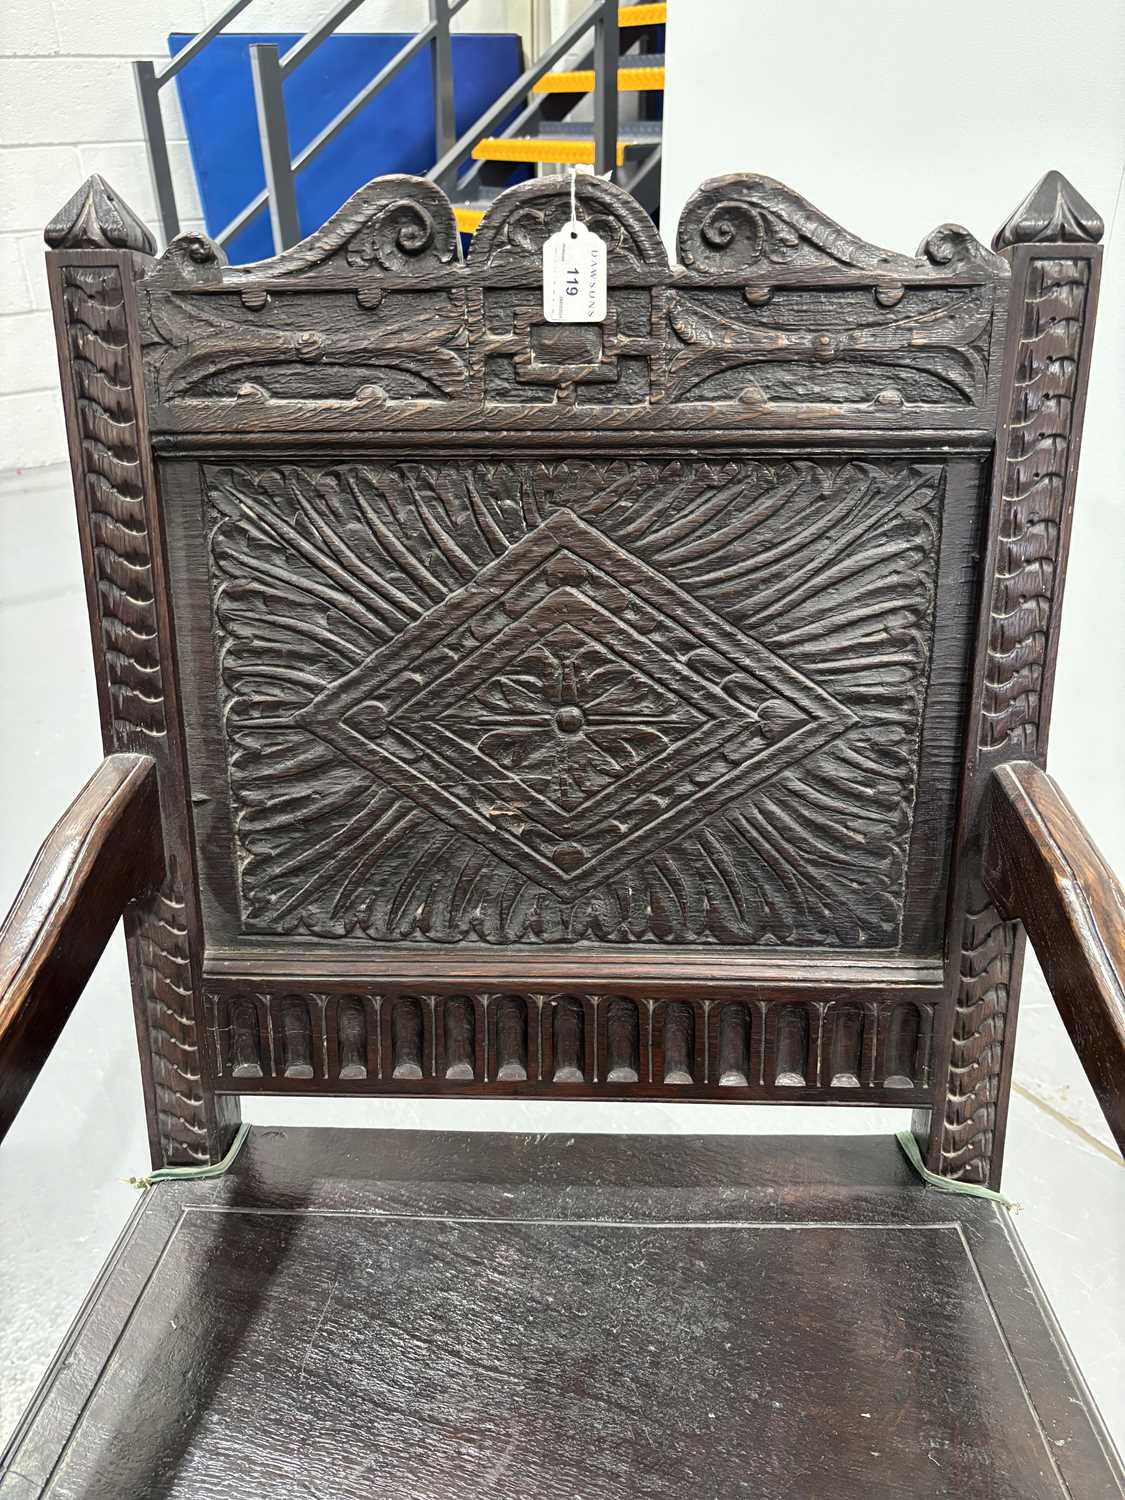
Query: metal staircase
x,y
609,52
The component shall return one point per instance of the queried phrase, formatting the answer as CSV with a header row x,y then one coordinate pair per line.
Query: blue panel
x,y
394,133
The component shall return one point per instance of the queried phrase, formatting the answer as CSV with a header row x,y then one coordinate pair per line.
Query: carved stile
x,y
1052,241
97,247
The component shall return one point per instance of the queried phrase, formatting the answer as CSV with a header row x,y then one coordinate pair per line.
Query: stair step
x,y
642,15
566,149
469,215
641,74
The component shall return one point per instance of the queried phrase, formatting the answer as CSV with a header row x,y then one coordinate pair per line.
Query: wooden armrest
x,y
1041,867
104,851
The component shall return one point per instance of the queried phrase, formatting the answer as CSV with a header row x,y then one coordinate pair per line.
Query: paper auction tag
x,y
574,276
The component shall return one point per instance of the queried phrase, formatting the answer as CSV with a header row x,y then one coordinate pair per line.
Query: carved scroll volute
x,y
393,226
873,331
747,223
1052,243
97,247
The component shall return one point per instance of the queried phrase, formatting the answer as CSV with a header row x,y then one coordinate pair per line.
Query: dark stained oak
x,y
98,246
594,709
104,852
1052,244
634,710
1042,867
356,1314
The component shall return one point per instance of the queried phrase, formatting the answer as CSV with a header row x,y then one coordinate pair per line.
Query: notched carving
x,y
94,305
112,498
1034,473
979,1025
1035,468
158,940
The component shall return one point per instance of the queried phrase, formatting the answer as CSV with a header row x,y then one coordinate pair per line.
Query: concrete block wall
x,y
68,108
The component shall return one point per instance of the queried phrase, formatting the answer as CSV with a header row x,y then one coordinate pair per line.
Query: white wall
x,y
893,118
68,108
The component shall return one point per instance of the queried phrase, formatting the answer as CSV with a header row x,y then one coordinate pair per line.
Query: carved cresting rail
x,y
777,319
568,707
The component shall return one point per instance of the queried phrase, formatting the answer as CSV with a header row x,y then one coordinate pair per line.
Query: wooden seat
x,y
353,1313
653,709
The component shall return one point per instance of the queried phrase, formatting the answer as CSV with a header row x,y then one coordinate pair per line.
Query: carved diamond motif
x,y
592,700
572,710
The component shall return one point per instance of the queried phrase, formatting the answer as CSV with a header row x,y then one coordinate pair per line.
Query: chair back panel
x,y
573,708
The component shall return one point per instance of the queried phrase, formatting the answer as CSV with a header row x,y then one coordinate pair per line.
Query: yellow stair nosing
x,y
635,80
642,15
568,151
468,219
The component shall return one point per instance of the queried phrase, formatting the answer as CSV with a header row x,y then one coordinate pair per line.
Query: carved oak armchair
x,y
653,709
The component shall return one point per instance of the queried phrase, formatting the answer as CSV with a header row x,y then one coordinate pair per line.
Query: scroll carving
x,y
112,512
520,220
518,702
573,700
750,223
392,225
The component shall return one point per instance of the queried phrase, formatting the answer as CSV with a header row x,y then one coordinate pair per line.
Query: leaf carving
x,y
517,702
941,336
210,348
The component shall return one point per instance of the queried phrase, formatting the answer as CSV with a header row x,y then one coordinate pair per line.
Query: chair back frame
x,y
593,711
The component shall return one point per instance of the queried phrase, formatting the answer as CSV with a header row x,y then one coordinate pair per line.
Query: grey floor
x,y
62,1195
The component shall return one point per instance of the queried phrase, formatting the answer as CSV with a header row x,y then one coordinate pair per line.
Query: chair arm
x,y
1041,867
104,851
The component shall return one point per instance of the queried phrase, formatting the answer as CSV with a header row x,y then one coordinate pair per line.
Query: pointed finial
x,y
1054,210
97,219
